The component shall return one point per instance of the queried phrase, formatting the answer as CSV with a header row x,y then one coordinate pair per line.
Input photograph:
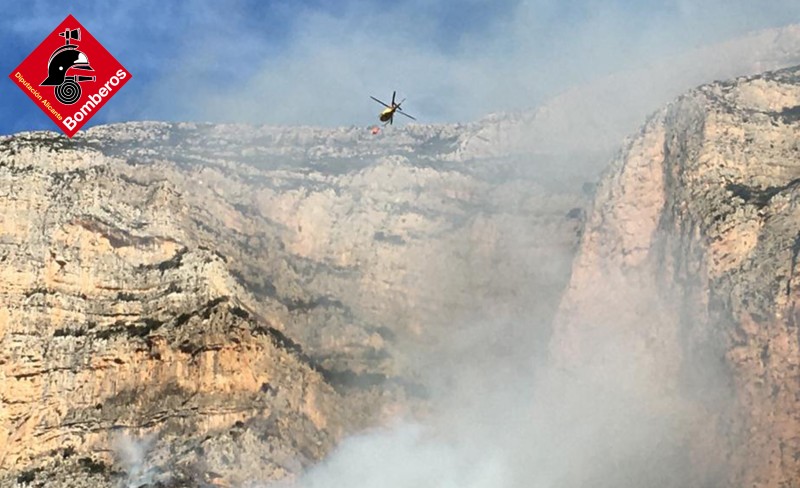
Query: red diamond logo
x,y
70,76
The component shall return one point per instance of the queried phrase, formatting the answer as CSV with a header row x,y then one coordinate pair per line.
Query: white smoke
x,y
132,457
408,455
497,427
519,54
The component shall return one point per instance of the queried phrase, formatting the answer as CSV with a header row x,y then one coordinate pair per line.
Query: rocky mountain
x,y
197,305
220,305
684,282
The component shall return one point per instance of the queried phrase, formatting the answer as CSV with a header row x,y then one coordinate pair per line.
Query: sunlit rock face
x,y
687,270
221,304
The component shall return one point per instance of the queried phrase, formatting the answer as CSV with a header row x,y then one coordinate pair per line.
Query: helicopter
x,y
387,116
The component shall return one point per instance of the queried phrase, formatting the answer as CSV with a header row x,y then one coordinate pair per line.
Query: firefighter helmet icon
x,y
62,62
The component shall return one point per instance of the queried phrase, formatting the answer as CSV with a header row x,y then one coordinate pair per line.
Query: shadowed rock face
x,y
187,304
685,278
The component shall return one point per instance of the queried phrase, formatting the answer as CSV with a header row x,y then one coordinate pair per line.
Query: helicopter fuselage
x,y
387,114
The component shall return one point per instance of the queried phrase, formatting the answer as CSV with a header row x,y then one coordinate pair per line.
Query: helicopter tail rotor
x,y
400,110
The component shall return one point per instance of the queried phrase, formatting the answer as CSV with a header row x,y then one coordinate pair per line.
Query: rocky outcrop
x,y
199,305
684,279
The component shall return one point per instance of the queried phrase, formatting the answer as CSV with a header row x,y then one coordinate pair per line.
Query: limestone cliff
x,y
686,278
199,305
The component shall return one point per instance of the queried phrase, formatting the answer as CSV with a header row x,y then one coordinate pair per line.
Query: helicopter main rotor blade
x,y
380,102
403,113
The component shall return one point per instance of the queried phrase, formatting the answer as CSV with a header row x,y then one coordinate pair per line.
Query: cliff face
x,y
685,278
117,325
212,305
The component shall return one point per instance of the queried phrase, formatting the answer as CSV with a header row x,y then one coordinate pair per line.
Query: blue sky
x,y
316,62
